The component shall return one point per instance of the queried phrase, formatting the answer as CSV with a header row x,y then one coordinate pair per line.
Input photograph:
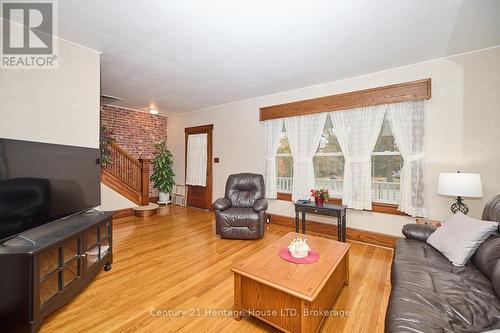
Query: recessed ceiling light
x,y
153,111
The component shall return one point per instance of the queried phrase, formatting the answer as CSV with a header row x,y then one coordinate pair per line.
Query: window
x,y
386,167
284,165
328,161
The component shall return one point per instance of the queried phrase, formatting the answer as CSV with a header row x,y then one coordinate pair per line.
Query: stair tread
x,y
151,206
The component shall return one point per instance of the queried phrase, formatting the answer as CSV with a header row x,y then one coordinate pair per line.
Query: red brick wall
x,y
135,131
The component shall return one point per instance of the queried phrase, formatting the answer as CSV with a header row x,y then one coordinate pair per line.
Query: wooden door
x,y
200,196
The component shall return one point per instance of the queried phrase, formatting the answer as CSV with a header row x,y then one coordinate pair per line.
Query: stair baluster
x,y
127,176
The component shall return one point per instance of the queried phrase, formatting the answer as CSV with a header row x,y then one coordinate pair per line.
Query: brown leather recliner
x,y
241,214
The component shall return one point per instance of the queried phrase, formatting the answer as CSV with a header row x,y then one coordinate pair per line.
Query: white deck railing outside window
x,y
385,192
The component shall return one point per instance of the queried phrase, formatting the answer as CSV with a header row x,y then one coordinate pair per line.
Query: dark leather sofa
x,y
241,214
429,294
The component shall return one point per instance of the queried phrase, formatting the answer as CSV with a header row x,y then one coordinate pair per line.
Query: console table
x,y
338,211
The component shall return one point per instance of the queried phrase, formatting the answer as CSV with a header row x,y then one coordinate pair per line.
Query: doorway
x,y
198,162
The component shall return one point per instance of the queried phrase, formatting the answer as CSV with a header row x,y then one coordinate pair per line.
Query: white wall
x,y
112,200
462,131
58,106
53,105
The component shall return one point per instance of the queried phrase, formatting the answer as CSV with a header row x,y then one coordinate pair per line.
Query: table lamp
x,y
460,185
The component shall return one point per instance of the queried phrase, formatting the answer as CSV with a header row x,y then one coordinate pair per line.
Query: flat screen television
x,y
41,182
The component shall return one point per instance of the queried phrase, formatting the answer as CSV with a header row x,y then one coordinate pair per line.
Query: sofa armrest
x,y
222,204
260,205
418,231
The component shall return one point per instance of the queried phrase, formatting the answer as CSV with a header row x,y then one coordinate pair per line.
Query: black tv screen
x,y
41,182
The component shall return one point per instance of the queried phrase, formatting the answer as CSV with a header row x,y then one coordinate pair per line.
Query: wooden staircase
x,y
127,176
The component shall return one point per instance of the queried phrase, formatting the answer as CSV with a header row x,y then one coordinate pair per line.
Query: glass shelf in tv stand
x,y
99,239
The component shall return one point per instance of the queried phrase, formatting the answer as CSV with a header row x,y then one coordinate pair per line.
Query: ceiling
x,y
184,55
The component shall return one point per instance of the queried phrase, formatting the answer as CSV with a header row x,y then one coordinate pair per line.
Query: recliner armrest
x,y
418,231
222,204
260,205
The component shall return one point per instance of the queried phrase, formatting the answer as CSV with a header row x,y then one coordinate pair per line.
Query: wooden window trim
x,y
395,93
284,196
377,207
386,208
402,92
199,129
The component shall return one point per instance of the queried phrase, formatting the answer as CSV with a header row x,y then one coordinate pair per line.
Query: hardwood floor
x,y
171,273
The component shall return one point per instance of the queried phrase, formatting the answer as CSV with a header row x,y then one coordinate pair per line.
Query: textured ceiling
x,y
186,55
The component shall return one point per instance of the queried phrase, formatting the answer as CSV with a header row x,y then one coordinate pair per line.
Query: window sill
x,y
284,196
377,207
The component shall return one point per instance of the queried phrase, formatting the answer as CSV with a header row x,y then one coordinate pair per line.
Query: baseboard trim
x,y
364,236
123,213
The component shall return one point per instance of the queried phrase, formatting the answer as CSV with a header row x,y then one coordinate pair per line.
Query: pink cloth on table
x,y
311,258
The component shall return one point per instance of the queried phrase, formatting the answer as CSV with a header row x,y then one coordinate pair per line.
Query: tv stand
x,y
26,239
92,211
60,260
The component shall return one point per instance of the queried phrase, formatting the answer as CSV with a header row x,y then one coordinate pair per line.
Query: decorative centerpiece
x,y
298,248
298,252
320,195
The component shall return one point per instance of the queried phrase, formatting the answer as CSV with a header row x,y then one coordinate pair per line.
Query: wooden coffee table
x,y
291,297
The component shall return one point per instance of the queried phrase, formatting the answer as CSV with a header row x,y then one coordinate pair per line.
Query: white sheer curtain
x,y
196,161
407,124
304,133
273,129
357,131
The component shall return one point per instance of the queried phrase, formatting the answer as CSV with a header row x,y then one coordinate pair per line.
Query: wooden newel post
x,y
145,180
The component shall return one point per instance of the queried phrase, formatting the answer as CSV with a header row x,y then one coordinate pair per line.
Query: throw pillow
x,y
460,236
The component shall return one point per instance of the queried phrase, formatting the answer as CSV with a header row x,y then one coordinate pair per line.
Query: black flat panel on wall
x,y
41,182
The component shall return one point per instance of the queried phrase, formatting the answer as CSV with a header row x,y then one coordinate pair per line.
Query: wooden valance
x,y
402,92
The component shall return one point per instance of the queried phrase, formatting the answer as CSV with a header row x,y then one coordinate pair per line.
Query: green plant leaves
x,y
105,140
163,174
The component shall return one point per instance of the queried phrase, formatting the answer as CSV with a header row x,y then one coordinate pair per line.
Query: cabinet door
x,y
71,261
98,243
59,267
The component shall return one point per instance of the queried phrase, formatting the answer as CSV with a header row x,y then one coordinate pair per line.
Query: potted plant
x,y
105,141
320,195
163,175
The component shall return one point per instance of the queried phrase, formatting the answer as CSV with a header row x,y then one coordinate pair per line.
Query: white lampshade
x,y
460,185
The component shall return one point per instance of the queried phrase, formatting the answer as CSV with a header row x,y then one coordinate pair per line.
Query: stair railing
x,y
130,176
